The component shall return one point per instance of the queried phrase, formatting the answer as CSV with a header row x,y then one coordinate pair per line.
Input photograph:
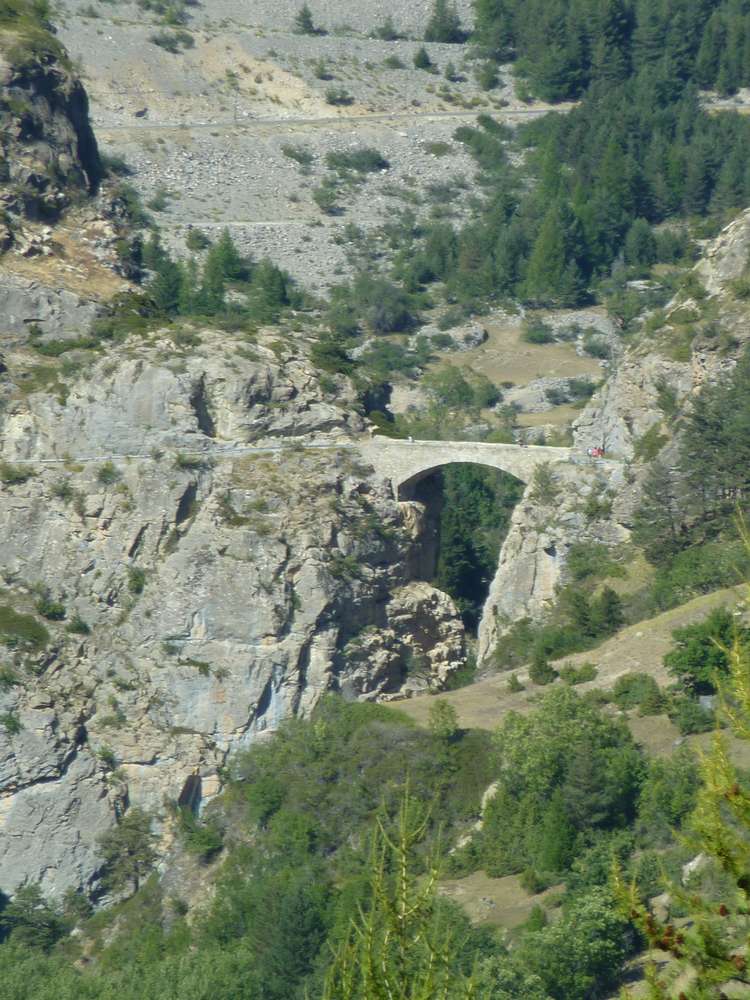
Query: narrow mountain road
x,y
250,124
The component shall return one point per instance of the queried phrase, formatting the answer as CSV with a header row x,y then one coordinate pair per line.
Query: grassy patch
x,y
19,630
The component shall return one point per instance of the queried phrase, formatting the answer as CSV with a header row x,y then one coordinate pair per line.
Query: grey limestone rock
x,y
208,517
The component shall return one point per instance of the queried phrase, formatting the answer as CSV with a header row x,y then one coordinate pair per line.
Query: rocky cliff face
x,y
182,567
533,557
49,153
709,330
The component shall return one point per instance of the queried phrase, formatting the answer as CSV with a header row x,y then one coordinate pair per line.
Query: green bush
x,y
12,475
594,345
338,96
363,161
649,444
197,240
592,561
77,626
387,31
700,657
572,675
136,579
50,609
299,154
203,839
540,671
326,198
689,717
108,473
422,60
634,689
173,41
10,723
538,333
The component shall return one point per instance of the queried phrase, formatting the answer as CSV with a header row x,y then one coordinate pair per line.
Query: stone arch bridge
x,y
404,463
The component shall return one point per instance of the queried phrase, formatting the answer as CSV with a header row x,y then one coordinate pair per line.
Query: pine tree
x,y
128,851
189,288
606,612
397,946
494,27
422,59
303,21
611,57
657,525
210,298
553,276
555,843
640,245
444,24
233,266
166,287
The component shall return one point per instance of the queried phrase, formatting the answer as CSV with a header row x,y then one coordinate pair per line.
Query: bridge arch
x,y
407,488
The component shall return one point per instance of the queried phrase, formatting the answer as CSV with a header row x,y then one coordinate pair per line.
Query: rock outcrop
x,y
49,153
533,557
192,552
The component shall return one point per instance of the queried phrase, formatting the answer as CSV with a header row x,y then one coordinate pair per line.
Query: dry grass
x,y
71,266
639,647
501,902
505,357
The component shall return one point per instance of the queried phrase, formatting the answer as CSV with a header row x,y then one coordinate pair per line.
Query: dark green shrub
x,y
12,475
338,96
700,657
540,671
204,839
538,333
197,240
77,626
50,609
10,723
108,474
634,689
690,717
136,579
299,154
364,160
422,60
591,561
387,31
326,198
578,675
